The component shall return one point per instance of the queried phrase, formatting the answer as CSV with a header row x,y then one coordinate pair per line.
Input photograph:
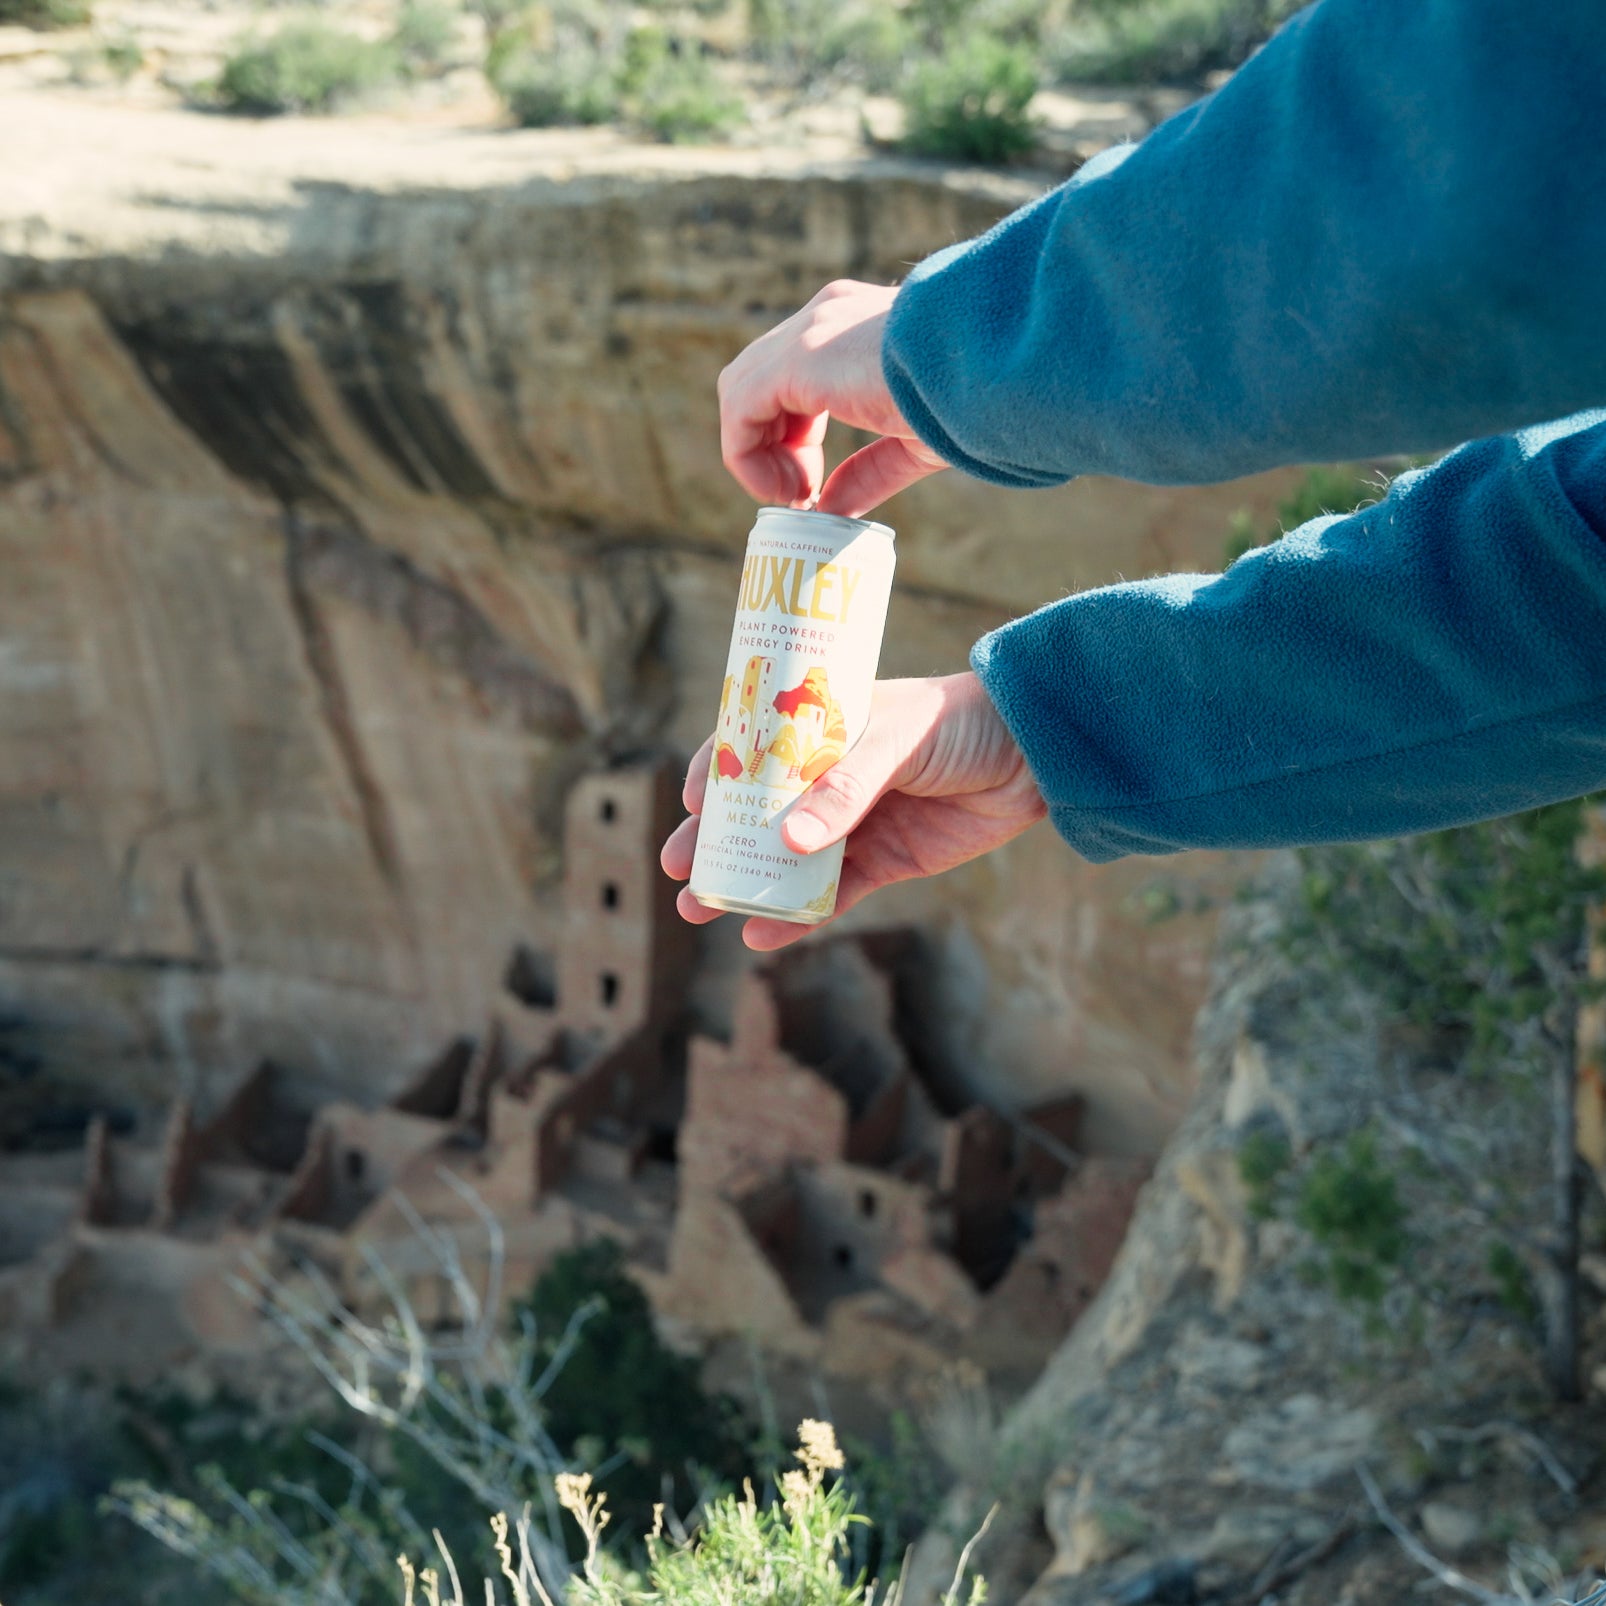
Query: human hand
x,y
936,780
777,396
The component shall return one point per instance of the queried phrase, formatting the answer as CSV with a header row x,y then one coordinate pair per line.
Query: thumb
x,y
876,472
836,803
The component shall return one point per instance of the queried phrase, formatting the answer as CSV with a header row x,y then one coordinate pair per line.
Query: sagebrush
x,y
792,1551
305,66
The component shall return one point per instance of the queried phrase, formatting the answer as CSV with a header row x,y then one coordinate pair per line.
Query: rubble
x,y
800,1184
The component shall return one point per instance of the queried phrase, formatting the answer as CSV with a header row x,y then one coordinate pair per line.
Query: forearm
x,y
1437,658
1384,234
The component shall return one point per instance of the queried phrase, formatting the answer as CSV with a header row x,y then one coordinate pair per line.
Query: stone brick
x,y
1058,1272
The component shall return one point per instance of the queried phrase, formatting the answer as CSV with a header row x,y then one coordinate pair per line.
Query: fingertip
x,y
696,784
693,912
772,478
763,936
805,833
679,850
875,473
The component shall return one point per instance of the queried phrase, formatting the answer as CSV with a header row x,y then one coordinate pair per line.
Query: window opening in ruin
x,y
532,978
867,1204
609,811
610,989
610,894
355,1165
843,1257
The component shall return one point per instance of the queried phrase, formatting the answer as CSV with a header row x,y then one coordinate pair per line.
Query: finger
x,y
691,794
765,936
786,472
679,850
841,798
876,472
690,910
775,455
803,449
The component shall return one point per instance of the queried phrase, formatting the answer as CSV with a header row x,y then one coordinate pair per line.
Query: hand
x,y
936,780
777,396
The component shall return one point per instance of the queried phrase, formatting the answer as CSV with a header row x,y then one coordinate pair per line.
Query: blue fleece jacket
x,y
1385,233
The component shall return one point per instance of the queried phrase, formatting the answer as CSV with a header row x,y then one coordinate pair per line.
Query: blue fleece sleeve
x,y
1384,234
1436,658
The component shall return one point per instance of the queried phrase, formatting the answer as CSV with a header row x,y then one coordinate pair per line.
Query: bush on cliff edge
x,y
44,14
305,66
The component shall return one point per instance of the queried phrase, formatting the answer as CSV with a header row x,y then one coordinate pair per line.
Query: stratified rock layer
x,y
358,489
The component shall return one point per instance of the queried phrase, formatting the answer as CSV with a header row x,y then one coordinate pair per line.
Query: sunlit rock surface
x,y
359,488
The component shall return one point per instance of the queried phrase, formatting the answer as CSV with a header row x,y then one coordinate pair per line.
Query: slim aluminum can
x,y
798,681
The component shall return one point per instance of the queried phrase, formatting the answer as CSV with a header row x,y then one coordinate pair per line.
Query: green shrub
x,y
869,43
45,14
122,57
1451,931
1263,1160
942,24
574,87
971,104
861,41
622,1399
501,18
1023,22
674,92
306,66
1155,41
1350,1204
899,1489
791,1552
1514,1284
426,31
118,59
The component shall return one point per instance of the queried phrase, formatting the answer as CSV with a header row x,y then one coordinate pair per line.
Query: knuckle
x,y
844,791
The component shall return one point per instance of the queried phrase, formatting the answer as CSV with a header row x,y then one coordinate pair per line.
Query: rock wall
x,y
1202,1434
347,514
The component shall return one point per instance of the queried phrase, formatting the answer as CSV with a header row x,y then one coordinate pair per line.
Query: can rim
x,y
835,518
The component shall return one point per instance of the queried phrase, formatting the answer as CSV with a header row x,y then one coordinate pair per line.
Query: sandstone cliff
x,y
1202,1434
358,488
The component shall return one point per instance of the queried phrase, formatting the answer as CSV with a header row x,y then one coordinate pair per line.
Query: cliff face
x,y
1205,1432
356,494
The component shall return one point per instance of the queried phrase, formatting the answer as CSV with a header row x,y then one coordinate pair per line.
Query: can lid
x,y
831,518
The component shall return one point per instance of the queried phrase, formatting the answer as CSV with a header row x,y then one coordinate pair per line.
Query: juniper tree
x,y
1476,940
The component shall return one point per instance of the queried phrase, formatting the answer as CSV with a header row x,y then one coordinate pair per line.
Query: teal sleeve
x,y
1386,233
1437,658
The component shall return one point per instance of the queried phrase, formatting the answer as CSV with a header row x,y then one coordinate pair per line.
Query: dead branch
x,y
1274,1578
1512,1432
1442,1571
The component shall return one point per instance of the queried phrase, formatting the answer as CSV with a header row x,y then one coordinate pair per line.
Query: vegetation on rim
x,y
964,71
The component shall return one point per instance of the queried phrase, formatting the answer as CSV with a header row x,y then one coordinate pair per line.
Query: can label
x,y
798,681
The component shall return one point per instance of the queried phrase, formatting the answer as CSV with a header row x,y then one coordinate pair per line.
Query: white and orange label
x,y
809,619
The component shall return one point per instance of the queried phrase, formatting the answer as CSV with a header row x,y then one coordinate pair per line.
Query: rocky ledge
x,y
1206,1435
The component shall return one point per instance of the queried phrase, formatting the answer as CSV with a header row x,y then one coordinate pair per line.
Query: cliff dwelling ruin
x,y
803,1185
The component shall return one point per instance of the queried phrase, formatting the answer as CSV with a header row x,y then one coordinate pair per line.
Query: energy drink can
x,y
798,682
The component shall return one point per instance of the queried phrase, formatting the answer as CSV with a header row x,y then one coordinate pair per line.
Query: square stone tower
x,y
626,954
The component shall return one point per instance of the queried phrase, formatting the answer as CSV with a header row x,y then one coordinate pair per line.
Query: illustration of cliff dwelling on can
x,y
811,1184
783,738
